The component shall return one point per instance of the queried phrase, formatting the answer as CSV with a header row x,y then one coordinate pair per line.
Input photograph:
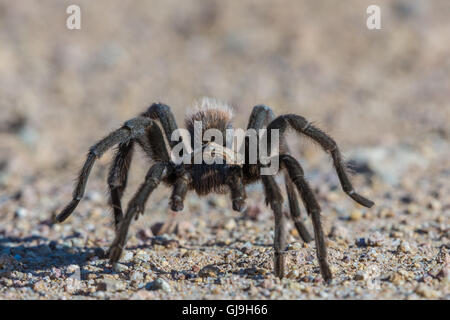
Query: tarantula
x,y
152,131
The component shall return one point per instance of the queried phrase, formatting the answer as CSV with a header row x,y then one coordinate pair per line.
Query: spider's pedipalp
x,y
234,182
180,189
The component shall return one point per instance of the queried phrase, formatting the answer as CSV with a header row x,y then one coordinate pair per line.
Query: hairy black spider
x,y
145,130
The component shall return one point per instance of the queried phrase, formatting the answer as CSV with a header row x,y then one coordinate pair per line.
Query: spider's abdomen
x,y
210,114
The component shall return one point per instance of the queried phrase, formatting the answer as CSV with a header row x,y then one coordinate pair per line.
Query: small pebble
x,y
295,246
444,275
143,295
339,231
141,255
361,242
72,285
435,205
267,284
404,247
376,239
427,292
360,275
75,272
111,285
209,271
8,262
40,286
21,212
293,274
119,267
136,276
128,256
355,215
73,268
230,224
158,284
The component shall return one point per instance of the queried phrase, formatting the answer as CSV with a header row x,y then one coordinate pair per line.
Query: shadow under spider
x,y
39,259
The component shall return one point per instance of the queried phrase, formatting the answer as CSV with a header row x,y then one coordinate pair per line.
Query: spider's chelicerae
x,y
152,131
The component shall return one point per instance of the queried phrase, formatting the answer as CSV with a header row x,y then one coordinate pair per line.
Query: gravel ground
x,y
398,250
383,96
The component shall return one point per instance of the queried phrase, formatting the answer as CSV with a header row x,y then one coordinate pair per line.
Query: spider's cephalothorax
x,y
152,131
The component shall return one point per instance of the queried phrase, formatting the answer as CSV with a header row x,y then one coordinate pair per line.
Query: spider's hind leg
x,y
275,200
301,125
297,176
295,210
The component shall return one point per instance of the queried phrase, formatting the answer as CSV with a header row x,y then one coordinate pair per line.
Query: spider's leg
x,y
301,125
260,117
312,207
118,176
136,206
295,210
275,200
164,115
130,130
234,182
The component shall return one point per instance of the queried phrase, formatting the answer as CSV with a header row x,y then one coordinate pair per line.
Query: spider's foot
x,y
67,211
326,273
360,199
279,263
239,205
176,203
115,251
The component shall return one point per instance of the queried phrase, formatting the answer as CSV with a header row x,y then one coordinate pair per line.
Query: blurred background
x,y
62,89
382,94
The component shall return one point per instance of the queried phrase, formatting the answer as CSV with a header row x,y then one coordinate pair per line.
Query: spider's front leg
x,y
234,182
137,205
131,130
